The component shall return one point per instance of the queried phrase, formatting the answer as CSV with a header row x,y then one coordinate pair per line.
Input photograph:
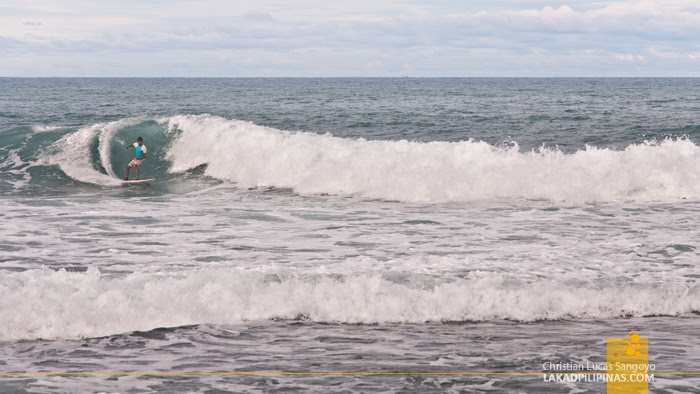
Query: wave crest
x,y
253,155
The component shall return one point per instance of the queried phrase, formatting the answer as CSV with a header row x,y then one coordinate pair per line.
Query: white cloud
x,y
350,38
630,58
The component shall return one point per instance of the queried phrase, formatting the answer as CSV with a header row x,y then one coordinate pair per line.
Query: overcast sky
x,y
305,38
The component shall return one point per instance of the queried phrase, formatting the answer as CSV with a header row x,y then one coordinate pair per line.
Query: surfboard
x,y
140,182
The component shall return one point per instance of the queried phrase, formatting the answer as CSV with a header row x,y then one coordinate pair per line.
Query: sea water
x,y
346,226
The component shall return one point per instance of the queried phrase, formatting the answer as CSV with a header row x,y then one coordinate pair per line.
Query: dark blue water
x,y
565,112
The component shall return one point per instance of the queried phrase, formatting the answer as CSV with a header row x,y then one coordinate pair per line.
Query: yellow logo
x,y
633,345
628,364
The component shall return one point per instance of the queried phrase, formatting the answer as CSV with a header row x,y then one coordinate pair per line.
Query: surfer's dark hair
x,y
139,139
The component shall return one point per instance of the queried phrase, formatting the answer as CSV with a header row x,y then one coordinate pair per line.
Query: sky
x,y
358,38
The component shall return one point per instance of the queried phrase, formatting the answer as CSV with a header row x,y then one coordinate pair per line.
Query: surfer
x,y
141,150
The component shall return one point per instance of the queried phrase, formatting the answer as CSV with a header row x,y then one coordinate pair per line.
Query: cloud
x,y
255,16
630,58
362,37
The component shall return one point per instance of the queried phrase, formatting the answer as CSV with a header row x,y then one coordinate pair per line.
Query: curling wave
x,y
73,153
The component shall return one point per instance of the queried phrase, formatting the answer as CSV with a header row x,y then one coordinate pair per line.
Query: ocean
x,y
346,234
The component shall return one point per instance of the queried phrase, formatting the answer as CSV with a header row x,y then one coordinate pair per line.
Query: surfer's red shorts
x,y
136,163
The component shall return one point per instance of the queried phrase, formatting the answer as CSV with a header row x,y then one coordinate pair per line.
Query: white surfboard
x,y
140,182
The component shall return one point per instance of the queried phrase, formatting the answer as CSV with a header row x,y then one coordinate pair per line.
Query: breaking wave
x,y
51,304
428,172
253,155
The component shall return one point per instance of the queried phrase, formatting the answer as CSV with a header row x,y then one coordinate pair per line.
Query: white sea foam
x,y
46,129
58,304
253,155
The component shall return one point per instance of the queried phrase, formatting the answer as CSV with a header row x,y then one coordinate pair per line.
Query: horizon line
x,y
347,77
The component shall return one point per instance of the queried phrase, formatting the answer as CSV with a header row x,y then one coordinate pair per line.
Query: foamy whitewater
x,y
345,225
